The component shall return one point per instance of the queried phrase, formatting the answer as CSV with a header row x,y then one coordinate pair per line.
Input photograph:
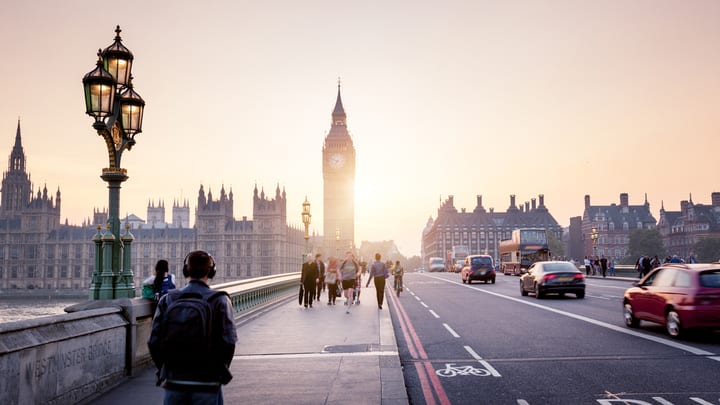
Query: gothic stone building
x,y
38,252
482,230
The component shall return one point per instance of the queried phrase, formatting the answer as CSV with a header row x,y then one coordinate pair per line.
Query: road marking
x,y
434,314
417,298
452,332
716,358
662,401
424,304
700,401
485,364
522,402
656,339
311,355
600,297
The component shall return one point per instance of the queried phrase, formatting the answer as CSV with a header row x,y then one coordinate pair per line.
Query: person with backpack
x,y
192,340
163,282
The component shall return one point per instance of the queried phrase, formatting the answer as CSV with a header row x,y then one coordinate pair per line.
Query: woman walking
x,y
331,279
349,270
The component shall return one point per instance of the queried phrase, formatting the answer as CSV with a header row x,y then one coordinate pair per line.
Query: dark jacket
x,y
213,370
309,274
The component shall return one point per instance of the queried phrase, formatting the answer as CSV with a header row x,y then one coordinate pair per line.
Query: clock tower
x,y
338,185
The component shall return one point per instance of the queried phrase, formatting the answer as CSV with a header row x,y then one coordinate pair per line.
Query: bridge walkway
x,y
292,355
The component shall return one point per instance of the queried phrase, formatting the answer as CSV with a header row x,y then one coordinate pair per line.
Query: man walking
x,y
378,273
193,337
309,279
320,286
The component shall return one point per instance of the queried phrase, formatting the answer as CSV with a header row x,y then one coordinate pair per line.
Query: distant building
x,y
38,252
614,223
681,230
482,230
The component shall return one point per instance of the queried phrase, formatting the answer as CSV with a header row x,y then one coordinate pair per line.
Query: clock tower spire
x,y
338,185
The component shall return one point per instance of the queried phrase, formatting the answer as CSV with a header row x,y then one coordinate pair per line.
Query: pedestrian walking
x,y
320,286
193,355
331,279
612,267
378,273
309,278
587,266
348,273
603,265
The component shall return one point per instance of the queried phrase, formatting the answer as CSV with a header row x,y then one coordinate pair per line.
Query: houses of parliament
x,y
38,252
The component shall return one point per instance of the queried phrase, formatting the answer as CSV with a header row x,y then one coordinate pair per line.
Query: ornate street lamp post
x,y
337,241
118,112
306,220
594,237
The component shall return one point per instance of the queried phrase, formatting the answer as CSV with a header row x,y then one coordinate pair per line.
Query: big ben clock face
x,y
337,160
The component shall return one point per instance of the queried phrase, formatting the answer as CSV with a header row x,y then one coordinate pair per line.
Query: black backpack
x,y
186,328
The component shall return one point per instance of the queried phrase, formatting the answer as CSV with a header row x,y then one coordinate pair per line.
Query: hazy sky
x,y
561,98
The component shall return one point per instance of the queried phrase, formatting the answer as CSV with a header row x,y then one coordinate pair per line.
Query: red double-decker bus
x,y
525,247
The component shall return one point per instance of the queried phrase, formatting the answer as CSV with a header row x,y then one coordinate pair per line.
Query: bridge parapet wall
x,y
75,357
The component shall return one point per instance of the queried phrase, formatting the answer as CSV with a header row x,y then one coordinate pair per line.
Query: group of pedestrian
x,y
599,266
342,278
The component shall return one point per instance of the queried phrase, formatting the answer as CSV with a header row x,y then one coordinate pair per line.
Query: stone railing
x,y
74,357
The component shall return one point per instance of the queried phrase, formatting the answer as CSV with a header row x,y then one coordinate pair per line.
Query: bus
x,y
525,247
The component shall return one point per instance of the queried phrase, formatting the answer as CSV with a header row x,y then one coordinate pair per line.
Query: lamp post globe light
x,y
118,112
306,220
594,236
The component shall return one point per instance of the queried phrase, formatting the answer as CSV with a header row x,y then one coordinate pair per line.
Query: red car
x,y
678,296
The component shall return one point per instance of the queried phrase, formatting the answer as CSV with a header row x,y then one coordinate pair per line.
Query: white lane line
x,y
662,401
656,339
417,298
599,297
424,304
716,358
485,364
434,314
523,402
700,401
452,332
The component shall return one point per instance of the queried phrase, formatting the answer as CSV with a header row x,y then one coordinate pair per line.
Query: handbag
x,y
330,278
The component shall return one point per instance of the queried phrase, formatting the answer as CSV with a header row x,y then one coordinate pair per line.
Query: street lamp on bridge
x,y
306,220
594,236
118,112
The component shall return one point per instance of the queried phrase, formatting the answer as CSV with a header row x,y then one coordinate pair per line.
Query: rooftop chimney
x,y
624,200
587,201
541,200
715,198
533,203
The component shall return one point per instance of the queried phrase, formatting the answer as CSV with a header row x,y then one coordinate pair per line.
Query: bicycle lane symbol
x,y
451,370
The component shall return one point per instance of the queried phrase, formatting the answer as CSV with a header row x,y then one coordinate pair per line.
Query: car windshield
x,y
477,262
557,267
710,279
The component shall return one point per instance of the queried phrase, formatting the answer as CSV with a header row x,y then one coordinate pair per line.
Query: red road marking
x,y
418,351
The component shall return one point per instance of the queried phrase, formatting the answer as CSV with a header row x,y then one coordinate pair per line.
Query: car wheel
x,y
522,290
672,324
469,281
580,295
630,320
463,280
493,280
538,292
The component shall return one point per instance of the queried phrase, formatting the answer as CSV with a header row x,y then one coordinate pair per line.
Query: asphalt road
x,y
486,344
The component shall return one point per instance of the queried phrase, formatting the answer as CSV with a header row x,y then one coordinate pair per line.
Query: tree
x,y
645,242
556,246
707,250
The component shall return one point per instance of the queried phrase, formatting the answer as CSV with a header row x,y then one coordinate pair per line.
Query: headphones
x,y
201,253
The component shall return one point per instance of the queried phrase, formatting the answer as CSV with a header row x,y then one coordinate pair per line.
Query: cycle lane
x,y
549,358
